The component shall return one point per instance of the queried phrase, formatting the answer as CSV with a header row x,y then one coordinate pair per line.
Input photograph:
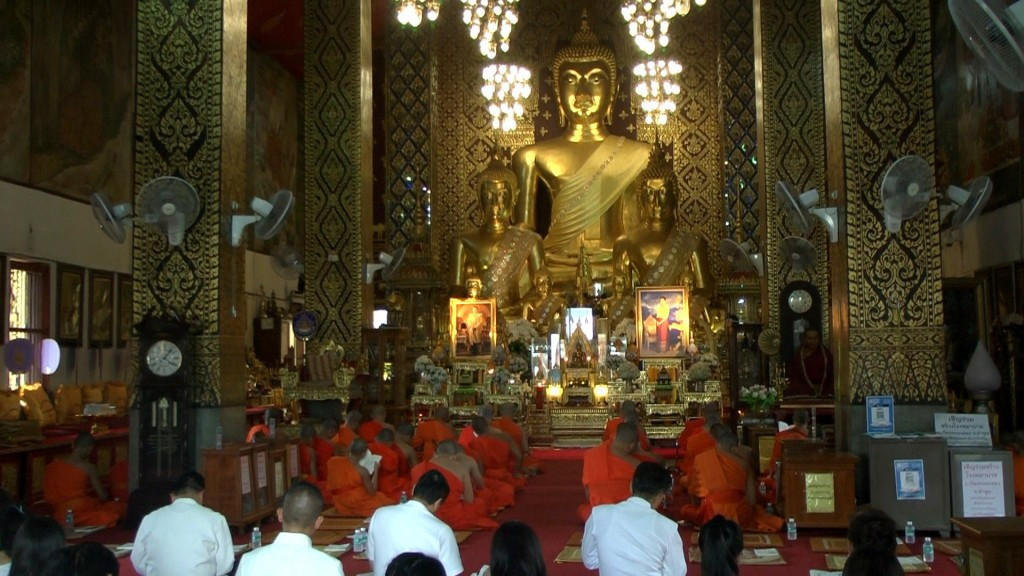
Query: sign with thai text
x,y
964,429
983,489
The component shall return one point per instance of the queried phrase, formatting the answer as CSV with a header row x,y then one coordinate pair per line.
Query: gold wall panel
x,y
894,279
190,123
336,178
794,137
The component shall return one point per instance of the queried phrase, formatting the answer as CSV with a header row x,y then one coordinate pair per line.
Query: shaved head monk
x,y
432,432
72,483
627,407
352,487
608,469
461,509
701,441
722,482
389,481
403,441
507,424
378,415
347,432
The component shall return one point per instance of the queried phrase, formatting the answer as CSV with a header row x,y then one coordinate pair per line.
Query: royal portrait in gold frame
x,y
663,321
472,327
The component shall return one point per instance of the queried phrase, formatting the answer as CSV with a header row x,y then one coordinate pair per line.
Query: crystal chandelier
x,y
657,86
410,12
491,21
505,87
649,20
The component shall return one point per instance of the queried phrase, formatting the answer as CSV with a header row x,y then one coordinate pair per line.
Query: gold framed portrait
x,y
473,328
70,293
663,321
101,309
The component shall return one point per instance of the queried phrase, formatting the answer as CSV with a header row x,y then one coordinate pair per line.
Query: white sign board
x,y
964,429
983,489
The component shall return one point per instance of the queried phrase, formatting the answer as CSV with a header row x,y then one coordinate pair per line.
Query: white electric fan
x,y
800,207
268,216
906,189
286,262
738,258
994,31
169,206
798,253
114,219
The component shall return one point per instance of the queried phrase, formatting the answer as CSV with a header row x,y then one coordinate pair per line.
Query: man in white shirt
x,y
292,551
184,537
631,537
412,527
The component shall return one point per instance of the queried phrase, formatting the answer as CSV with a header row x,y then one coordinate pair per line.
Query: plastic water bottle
x,y
404,498
219,439
257,538
909,534
928,550
359,541
762,488
791,529
69,520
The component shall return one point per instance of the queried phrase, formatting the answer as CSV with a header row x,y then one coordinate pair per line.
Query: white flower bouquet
x,y
709,359
501,378
518,365
699,372
436,376
520,330
628,371
423,363
758,397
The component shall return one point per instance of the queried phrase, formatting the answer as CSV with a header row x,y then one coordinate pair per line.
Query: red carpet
x,y
548,504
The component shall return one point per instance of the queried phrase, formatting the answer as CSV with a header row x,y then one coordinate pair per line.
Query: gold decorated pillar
x,y
338,145
190,123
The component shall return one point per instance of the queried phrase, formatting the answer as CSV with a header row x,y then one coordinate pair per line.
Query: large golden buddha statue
x,y
660,252
586,170
504,257
542,307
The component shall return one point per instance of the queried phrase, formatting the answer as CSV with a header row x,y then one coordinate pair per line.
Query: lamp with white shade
x,y
982,378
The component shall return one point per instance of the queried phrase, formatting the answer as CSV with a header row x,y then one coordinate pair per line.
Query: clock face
x,y
164,358
800,301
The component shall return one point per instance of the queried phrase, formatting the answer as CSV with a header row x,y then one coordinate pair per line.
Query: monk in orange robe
x,y
462,509
697,444
798,431
389,481
628,407
608,470
353,489
403,442
722,482
495,454
347,432
313,467
499,495
72,483
368,430
507,424
432,432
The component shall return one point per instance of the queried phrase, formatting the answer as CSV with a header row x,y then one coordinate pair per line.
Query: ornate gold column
x,y
190,122
895,292
338,144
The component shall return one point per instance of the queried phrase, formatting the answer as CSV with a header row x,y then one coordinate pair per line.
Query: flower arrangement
x,y
710,359
518,364
628,371
436,376
501,378
758,397
699,372
520,330
423,363
613,361
626,329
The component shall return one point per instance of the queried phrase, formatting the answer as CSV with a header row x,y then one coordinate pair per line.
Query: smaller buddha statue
x,y
621,305
659,251
542,307
395,303
505,257
584,278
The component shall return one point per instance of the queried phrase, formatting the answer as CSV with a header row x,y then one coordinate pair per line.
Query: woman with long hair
x,y
721,542
36,540
515,551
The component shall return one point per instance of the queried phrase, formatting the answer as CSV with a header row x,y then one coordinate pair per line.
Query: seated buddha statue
x,y
542,307
505,258
659,252
621,305
586,170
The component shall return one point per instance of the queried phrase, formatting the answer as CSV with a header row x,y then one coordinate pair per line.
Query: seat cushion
x,y
10,405
92,393
117,394
39,407
69,403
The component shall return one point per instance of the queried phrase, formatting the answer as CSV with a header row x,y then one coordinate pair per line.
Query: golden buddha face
x,y
585,91
657,199
473,287
619,285
543,283
496,199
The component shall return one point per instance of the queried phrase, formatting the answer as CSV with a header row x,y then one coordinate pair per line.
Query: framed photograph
x,y
124,310
663,326
101,309
70,296
472,327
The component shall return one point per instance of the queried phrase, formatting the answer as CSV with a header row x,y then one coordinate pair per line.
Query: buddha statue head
x,y
474,286
619,285
658,190
586,77
542,282
498,189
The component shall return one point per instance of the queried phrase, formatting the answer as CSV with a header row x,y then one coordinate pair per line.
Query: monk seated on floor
x,y
798,431
608,470
353,488
628,412
432,432
368,430
698,443
313,466
722,482
507,424
389,480
72,483
347,432
499,495
403,442
463,509
498,460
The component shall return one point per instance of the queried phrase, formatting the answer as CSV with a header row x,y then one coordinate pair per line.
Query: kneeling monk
x,y
608,469
72,483
352,488
723,482
462,509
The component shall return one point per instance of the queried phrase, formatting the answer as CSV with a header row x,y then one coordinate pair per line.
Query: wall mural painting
x,y
15,46
274,111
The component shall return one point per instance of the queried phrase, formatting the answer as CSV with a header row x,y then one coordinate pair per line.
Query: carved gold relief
x,y
906,363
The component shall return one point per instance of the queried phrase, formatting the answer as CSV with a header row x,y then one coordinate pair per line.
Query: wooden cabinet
x,y
270,340
245,482
991,545
817,485
388,382
745,362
